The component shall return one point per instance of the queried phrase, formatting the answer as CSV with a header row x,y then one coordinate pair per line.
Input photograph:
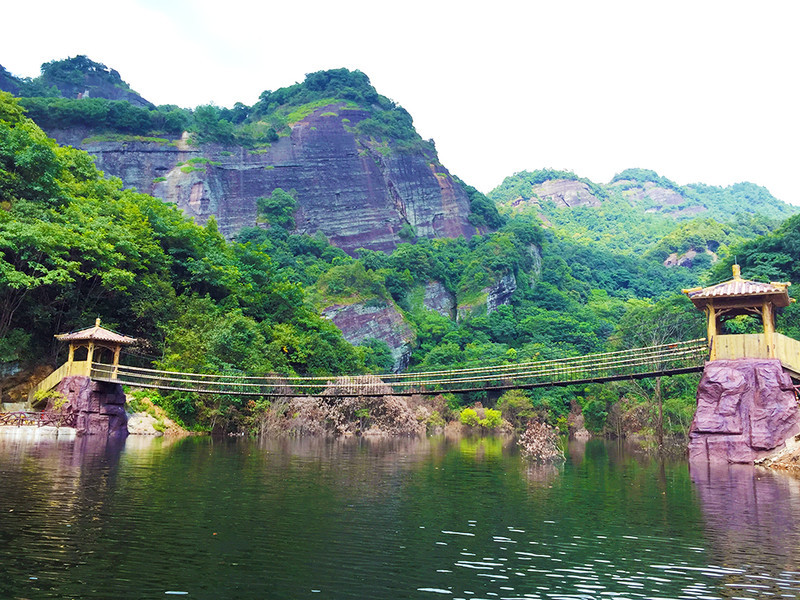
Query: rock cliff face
x,y
564,193
500,293
687,259
437,298
358,192
491,297
745,409
374,319
656,199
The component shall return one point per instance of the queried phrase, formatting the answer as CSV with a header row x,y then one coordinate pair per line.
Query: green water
x,y
431,518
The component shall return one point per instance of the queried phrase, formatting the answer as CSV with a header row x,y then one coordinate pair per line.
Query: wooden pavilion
x,y
93,338
744,297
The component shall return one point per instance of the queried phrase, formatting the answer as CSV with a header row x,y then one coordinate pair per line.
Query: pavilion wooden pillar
x,y
768,318
115,372
712,330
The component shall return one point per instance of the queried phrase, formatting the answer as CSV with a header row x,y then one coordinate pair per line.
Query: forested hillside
x,y
640,212
74,245
566,267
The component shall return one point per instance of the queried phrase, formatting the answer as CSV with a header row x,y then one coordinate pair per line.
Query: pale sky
x,y
696,90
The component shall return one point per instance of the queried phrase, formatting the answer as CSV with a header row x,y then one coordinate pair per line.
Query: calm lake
x,y
384,519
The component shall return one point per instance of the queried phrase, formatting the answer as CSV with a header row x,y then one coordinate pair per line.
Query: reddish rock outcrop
x,y
437,298
374,319
656,199
491,297
99,406
746,408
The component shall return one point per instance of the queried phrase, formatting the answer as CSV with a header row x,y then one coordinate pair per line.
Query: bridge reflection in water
x,y
638,363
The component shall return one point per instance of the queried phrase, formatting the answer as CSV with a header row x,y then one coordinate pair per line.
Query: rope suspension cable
x,y
616,364
528,369
419,374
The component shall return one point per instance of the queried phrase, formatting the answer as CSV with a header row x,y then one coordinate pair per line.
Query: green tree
x,y
278,209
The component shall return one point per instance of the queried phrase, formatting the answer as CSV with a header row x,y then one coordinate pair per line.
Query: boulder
x,y
746,409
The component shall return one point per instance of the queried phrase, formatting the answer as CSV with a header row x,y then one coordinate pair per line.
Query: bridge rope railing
x,y
679,357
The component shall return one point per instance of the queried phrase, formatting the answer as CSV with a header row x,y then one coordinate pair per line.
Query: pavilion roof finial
x,y
737,272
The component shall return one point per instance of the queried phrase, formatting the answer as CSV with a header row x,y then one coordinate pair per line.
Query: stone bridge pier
x,y
746,402
746,409
99,407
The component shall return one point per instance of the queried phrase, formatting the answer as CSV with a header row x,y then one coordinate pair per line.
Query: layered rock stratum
x,y
357,191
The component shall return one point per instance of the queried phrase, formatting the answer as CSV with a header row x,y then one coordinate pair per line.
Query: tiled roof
x,y
739,288
96,333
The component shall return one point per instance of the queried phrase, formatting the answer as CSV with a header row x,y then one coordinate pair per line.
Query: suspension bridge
x,y
721,301
666,359
638,363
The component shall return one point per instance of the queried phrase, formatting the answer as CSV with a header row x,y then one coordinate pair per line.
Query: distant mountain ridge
x,y
643,213
642,188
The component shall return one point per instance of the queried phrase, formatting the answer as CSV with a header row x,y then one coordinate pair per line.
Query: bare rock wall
x,y
358,191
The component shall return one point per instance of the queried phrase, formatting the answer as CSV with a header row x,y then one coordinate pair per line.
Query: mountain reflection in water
x,y
387,518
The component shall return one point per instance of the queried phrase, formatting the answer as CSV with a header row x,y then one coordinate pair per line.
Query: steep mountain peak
x,y
357,169
75,77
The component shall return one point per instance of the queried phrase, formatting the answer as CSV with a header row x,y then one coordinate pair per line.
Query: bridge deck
x,y
639,363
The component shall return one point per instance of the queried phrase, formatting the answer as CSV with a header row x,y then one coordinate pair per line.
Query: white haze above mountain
x,y
698,91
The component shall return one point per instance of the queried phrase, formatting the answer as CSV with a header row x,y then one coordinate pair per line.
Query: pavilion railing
x,y
754,345
680,357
